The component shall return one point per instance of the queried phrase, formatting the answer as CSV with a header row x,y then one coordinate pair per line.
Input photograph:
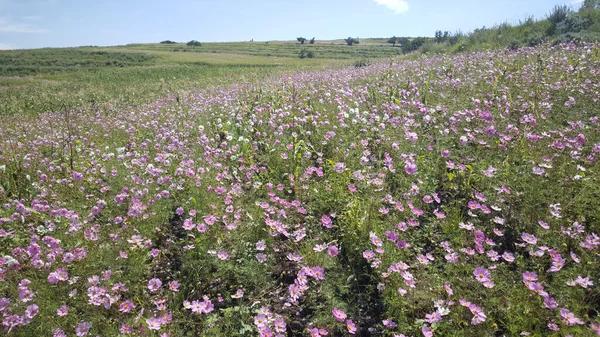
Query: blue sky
x,y
66,23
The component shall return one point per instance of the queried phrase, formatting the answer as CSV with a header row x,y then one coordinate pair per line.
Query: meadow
x,y
448,195
104,78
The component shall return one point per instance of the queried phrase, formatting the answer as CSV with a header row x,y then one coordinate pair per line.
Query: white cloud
x,y
10,26
398,6
5,46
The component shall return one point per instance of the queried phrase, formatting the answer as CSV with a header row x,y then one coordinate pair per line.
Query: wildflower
x,y
508,257
222,255
238,294
154,284
260,245
351,327
569,318
478,315
448,289
530,239
332,251
433,318
174,286
262,258
339,315
126,306
482,274
58,332
153,323
62,311
426,331
410,168
82,329
279,325
550,302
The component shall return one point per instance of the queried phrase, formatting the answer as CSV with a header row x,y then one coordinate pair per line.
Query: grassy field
x,y
452,195
44,80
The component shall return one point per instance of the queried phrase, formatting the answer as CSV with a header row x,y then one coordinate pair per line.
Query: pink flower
x,y
410,168
153,323
351,327
508,257
82,329
530,239
62,311
569,318
222,255
448,288
478,315
482,274
433,318
326,221
332,251
339,315
174,286
154,284
238,294
529,277
126,306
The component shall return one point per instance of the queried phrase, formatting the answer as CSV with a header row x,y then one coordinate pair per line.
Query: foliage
x,y
561,25
301,40
441,37
194,43
312,41
351,41
107,78
304,53
168,42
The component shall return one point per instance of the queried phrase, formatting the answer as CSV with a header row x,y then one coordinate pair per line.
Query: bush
x,y
301,40
361,63
306,54
514,45
535,39
413,45
572,24
194,43
168,42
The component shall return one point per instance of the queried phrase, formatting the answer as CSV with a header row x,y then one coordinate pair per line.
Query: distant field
x,y
335,49
51,79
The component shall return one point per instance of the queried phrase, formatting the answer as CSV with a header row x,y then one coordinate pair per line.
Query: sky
x,y
70,23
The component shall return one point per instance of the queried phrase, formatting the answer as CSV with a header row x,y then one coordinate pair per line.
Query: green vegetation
x,y
351,41
42,80
562,24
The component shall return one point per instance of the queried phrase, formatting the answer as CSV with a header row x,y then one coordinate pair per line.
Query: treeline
x,y
561,24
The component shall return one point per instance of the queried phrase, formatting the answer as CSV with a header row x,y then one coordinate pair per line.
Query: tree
x,y
446,36
438,36
168,42
556,16
301,40
194,43
441,37
351,41
589,4
392,40
312,41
